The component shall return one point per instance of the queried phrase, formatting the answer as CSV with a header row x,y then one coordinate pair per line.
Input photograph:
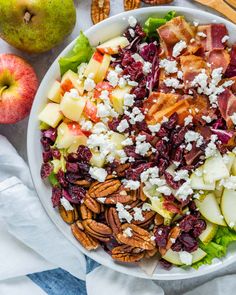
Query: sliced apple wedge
x,y
97,159
157,206
208,234
55,92
228,207
51,114
175,257
214,169
197,182
71,80
101,74
72,106
94,65
209,208
218,191
112,46
117,98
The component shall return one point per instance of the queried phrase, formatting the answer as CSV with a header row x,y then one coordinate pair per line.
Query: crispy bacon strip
x,y
173,31
191,66
214,34
227,106
219,58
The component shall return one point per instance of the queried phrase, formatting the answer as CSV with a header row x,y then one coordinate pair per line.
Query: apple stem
x,y
2,90
27,17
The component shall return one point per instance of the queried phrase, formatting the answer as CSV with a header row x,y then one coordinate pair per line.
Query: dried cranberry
x,y
140,93
148,52
177,155
72,167
46,170
56,154
73,157
84,153
73,177
162,132
61,178
187,223
135,71
199,227
51,134
83,168
162,148
134,174
139,31
170,124
178,137
56,196
162,165
77,193
170,180
45,143
165,264
142,126
189,243
161,235
47,156
177,246
113,124
130,152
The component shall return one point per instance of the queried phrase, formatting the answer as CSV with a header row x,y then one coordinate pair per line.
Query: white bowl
x,y
101,32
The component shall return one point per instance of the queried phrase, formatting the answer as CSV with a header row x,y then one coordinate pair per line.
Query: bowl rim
x,y
31,159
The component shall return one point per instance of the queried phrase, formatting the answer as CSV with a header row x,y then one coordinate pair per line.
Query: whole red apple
x,y
18,86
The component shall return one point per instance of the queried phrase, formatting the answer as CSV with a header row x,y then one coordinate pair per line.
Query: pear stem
x,y
27,17
2,90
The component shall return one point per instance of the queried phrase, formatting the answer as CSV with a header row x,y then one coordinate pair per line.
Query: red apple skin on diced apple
x,y
90,111
76,129
67,86
18,86
101,86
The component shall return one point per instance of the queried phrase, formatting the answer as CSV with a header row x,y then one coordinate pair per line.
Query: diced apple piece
x,y
228,207
112,46
72,107
208,234
117,98
116,139
97,159
209,208
101,74
174,257
81,140
198,183
229,160
94,65
51,114
55,92
69,134
71,80
157,206
214,169
90,111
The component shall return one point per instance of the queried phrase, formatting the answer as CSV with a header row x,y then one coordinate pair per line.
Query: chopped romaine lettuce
x,y
81,52
152,23
53,179
218,247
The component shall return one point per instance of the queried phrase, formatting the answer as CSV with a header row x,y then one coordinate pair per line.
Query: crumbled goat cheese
x,y
86,125
229,183
185,257
185,190
191,136
210,150
181,174
128,232
149,173
207,119
172,82
122,82
131,184
123,125
188,120
132,33
89,84
101,200
123,214
99,128
146,207
178,48
233,118
224,39
201,34
154,128
129,99
170,66
189,147
137,57
113,78
81,69
132,83
99,174
180,75
164,190
135,116
196,24
138,216
147,67
66,204
132,21
118,69
127,141
142,148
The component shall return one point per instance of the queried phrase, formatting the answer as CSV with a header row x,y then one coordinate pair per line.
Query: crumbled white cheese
x,y
191,136
178,48
233,118
101,200
123,213
86,125
152,172
137,57
135,116
173,82
113,78
188,120
99,174
132,33
207,119
229,183
146,207
132,21
201,34
118,69
66,204
99,128
123,125
128,232
164,190
132,83
122,82
189,147
129,99
89,84
185,257
180,75
131,184
154,128
225,39
142,148
170,66
147,67
138,216
181,174
185,190
81,69
127,141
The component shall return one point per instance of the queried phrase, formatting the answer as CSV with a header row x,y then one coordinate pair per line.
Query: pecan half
x,y
68,216
121,169
121,197
157,2
83,182
159,220
131,4
92,204
140,238
126,253
85,212
100,10
173,235
151,253
85,240
104,189
148,219
97,230
141,194
113,220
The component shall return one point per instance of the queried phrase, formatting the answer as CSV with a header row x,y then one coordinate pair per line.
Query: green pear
x,y
36,26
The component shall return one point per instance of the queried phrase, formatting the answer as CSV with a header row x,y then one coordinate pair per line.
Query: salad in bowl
x,y
138,142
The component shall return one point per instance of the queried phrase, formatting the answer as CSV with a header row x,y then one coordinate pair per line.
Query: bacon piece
x,y
231,70
227,106
214,34
219,58
191,66
174,31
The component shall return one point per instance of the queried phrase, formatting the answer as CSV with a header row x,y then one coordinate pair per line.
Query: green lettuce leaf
x,y
53,179
152,23
81,52
218,247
